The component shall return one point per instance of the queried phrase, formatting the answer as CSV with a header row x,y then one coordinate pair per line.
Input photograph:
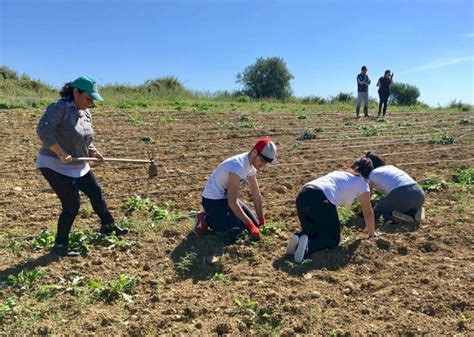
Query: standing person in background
x,y
384,84
65,130
363,82
223,209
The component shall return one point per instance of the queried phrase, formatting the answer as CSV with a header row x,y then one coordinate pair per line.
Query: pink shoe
x,y
200,227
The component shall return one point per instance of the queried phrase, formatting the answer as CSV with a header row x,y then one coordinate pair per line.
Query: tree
x,y
404,94
266,78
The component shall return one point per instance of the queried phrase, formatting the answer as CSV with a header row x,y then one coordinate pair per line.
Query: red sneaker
x,y
200,227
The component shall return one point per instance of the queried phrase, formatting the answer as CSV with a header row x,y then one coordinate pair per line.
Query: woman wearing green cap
x,y
65,130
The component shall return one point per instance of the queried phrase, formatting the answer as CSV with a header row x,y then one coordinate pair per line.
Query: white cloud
x,y
439,63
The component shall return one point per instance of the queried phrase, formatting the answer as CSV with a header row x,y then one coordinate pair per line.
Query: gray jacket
x,y
62,123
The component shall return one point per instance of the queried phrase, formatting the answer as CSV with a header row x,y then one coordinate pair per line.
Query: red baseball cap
x,y
267,150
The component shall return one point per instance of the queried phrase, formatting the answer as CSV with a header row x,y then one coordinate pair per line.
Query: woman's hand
x,y
98,155
64,157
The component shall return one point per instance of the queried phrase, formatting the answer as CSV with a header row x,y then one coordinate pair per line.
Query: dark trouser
x,y
383,100
318,218
221,218
405,199
67,189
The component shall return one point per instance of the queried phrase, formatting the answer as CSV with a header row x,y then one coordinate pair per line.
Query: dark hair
x,y
387,72
375,158
66,91
363,68
363,166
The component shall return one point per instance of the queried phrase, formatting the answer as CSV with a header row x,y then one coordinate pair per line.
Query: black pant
x,y
67,189
318,218
383,100
220,217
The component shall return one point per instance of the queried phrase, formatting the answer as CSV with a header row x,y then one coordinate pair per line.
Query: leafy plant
x,y
47,291
25,279
308,134
7,307
466,177
45,239
157,213
463,121
185,264
219,277
136,203
443,139
433,183
135,121
346,215
80,240
252,305
369,131
120,287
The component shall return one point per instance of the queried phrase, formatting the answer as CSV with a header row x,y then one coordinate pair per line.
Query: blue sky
x,y
206,43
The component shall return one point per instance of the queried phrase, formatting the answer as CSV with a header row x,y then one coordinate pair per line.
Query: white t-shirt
x,y
386,178
216,187
341,187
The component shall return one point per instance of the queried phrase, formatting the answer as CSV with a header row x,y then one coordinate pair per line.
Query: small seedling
x,y
186,263
157,213
369,131
136,203
309,134
252,305
219,277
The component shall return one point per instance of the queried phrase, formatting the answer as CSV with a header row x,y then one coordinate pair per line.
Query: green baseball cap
x,y
88,85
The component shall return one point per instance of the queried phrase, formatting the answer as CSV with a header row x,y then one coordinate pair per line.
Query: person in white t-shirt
x,y
403,199
317,203
223,210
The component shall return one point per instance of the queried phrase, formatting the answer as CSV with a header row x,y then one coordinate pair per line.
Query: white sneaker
x,y
420,214
292,244
302,249
402,216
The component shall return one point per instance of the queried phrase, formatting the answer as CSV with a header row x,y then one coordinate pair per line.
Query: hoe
x,y
152,169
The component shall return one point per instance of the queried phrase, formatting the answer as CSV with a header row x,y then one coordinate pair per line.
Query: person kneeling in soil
x,y
403,199
316,205
223,210
65,130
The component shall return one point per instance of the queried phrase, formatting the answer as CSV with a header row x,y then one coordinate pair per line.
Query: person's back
x,y
386,178
341,187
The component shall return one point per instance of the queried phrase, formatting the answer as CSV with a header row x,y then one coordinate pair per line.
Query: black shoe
x,y
64,250
113,228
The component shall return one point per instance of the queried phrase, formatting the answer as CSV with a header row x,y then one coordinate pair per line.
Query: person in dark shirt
x,y
363,82
384,91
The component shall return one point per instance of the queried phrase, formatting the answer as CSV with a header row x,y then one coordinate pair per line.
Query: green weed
x,y
25,279
45,239
7,307
443,140
369,131
136,203
465,177
121,287
433,183
185,264
219,277
308,134
346,215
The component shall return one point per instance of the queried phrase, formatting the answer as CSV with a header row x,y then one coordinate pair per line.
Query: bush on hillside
x,y
404,94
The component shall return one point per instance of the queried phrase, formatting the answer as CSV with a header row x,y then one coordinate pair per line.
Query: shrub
x,y
266,78
459,105
404,94
343,97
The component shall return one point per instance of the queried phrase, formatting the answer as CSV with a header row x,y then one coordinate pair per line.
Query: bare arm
x,y
256,196
233,195
368,212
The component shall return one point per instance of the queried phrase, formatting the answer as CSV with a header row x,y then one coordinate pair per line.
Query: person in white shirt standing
x,y
403,199
317,203
223,210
